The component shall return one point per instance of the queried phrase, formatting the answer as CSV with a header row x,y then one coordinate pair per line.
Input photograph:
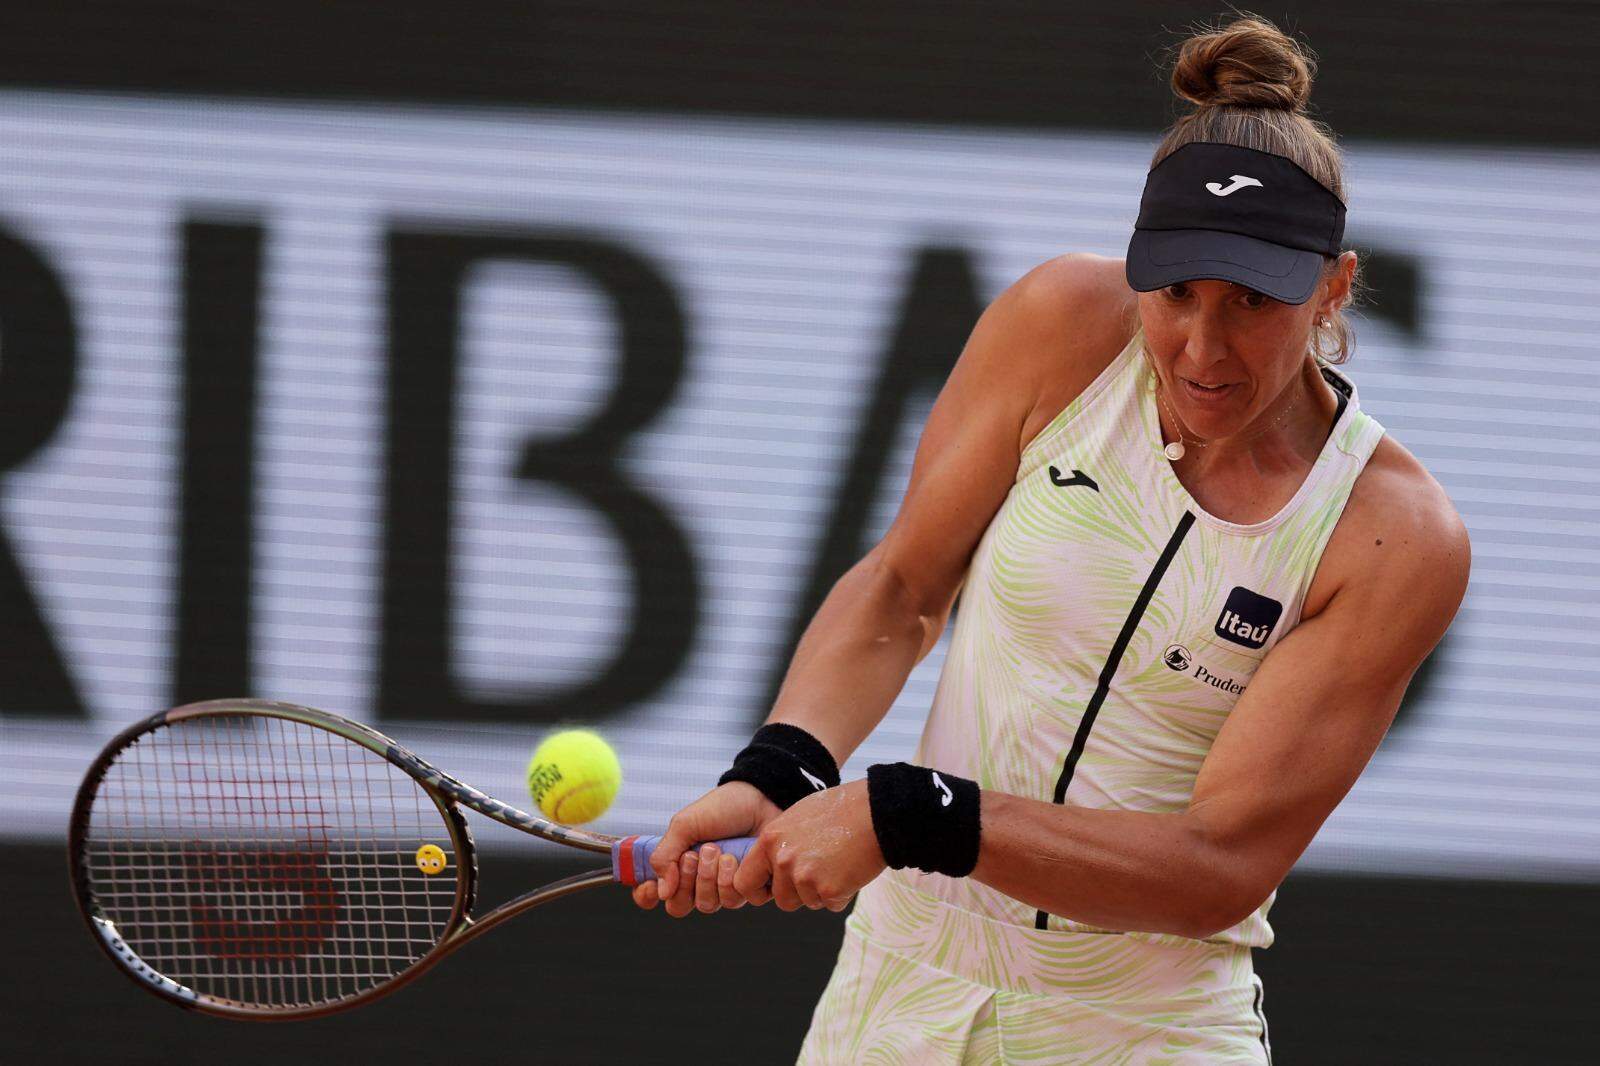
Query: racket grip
x,y
630,856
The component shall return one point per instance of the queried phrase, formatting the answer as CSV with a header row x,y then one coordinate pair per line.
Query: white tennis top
x,y
1108,624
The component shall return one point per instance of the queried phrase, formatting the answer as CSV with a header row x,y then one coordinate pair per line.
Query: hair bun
x,y
1247,63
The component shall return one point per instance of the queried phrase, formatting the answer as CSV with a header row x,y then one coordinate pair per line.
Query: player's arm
x,y
887,611
1291,748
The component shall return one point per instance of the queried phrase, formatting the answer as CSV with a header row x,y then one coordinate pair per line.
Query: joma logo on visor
x,y
1239,181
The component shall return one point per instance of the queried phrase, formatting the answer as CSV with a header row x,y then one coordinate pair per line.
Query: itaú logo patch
x,y
1248,617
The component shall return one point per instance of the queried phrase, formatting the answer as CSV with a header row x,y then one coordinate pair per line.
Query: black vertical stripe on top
x,y
1266,1045
1129,626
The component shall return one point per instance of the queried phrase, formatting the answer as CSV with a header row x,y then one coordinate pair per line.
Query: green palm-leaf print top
x,y
1054,588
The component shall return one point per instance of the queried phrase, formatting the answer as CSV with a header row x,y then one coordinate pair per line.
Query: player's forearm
x,y
1124,870
853,660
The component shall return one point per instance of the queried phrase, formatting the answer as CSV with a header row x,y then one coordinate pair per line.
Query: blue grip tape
x,y
630,856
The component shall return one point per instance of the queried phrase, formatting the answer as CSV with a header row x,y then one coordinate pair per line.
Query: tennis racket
x,y
260,860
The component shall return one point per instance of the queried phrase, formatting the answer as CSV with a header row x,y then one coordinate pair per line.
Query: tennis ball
x,y
573,776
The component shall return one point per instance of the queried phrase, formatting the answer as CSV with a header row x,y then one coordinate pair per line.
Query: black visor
x,y
1234,214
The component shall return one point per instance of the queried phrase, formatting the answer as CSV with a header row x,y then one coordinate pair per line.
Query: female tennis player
x,y
1195,581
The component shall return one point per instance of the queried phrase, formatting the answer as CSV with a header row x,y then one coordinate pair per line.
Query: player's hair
x,y
1249,83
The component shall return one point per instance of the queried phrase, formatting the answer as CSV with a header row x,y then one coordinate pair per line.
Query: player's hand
x,y
688,880
817,854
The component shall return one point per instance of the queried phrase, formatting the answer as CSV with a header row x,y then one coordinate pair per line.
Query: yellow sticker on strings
x,y
430,859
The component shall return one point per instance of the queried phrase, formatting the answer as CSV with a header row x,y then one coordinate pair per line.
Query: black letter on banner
x,y
936,317
221,298
1393,283
38,365
427,271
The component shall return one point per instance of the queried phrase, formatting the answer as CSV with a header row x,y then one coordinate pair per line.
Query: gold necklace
x,y
1177,450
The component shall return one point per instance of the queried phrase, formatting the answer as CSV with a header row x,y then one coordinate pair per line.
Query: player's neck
x,y
1286,436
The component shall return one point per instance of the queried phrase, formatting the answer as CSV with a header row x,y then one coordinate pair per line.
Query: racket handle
x,y
630,856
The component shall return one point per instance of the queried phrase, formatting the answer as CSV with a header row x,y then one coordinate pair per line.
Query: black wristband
x,y
786,763
924,818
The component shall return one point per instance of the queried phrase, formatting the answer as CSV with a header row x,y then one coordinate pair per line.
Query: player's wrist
x,y
785,763
924,818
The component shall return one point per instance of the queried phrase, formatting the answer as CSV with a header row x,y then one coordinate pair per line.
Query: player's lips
x,y
1207,394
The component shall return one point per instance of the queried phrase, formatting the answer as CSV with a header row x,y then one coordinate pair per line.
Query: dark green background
x,y
1497,71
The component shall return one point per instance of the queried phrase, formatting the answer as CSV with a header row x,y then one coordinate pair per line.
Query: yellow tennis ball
x,y
573,776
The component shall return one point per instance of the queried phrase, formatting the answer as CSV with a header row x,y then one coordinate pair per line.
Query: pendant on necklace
x,y
1173,451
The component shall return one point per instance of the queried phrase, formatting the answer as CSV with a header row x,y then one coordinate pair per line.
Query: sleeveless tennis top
x,y
1107,623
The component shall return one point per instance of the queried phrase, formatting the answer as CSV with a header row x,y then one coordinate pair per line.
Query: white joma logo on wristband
x,y
817,784
944,800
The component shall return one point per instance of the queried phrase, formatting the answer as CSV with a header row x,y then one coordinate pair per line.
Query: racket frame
x,y
447,793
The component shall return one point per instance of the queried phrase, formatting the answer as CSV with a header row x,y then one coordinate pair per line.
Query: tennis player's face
x,y
1225,353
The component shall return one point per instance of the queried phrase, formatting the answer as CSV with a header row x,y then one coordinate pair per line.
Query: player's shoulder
x,y
1076,294
1396,490
1064,322
1400,534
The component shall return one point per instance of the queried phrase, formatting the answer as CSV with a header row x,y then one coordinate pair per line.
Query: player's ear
x,y
1338,281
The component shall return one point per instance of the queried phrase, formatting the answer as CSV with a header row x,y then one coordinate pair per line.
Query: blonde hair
x,y
1250,83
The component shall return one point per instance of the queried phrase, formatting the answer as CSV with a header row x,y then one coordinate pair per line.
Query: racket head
x,y
261,860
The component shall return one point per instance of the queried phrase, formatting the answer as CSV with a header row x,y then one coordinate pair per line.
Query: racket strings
x,y
266,861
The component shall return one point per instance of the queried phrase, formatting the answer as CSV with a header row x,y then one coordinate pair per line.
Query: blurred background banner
x,y
546,365
469,424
